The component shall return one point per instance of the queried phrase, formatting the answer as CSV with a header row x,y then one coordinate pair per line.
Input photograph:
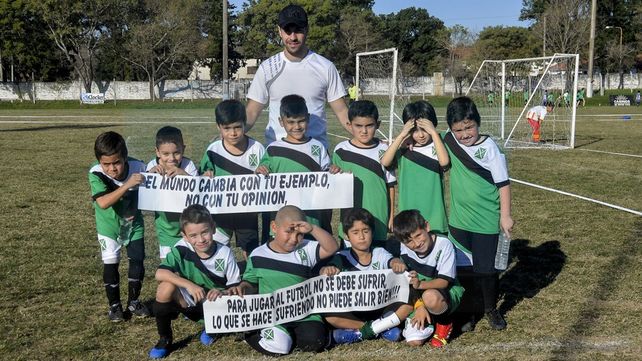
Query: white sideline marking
x,y
638,213
603,151
337,135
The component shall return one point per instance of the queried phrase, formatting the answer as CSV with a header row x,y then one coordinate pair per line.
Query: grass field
x,y
572,290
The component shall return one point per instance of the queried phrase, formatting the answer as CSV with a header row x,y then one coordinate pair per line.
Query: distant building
x,y
201,72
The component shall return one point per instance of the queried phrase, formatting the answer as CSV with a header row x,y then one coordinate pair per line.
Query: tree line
x,y
155,40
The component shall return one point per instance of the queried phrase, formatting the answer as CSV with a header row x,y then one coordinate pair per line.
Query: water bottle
x,y
501,257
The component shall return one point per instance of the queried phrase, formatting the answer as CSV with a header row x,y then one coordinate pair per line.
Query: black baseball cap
x,y
293,15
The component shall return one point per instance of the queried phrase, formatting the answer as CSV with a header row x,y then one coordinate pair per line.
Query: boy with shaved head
x,y
286,260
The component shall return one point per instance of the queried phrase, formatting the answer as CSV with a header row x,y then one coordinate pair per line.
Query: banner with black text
x,y
345,292
247,193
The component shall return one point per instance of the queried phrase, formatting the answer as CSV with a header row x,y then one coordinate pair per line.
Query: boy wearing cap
x,y
296,70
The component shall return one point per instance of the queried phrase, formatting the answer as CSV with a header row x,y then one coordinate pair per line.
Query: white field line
x,y
337,135
638,213
612,153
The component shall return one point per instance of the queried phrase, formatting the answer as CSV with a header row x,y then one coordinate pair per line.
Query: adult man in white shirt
x,y
296,70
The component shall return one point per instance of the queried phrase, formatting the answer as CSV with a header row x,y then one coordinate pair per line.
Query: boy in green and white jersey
x,y
421,158
234,154
297,152
286,260
480,201
352,327
197,268
114,181
169,162
374,184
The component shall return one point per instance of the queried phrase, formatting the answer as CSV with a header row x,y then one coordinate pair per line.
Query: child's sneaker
x,y
116,313
392,335
441,335
161,349
138,309
207,339
496,320
344,336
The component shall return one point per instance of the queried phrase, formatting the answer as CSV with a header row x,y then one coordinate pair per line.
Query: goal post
x,y
378,79
505,91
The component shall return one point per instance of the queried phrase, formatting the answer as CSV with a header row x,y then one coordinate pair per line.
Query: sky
x,y
473,14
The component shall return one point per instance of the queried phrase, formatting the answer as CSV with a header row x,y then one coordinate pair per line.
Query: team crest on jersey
x,y
434,151
268,334
254,160
381,153
480,153
103,245
316,150
437,256
376,265
302,255
219,265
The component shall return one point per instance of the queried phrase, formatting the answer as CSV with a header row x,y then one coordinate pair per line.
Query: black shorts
x,y
482,247
245,226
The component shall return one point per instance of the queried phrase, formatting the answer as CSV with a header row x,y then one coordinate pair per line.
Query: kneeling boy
x,y
431,259
286,260
197,268
358,226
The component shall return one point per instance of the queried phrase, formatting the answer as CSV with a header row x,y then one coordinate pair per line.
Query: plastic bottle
x,y
503,247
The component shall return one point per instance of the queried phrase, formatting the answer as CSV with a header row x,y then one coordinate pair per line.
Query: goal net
x,y
379,79
506,90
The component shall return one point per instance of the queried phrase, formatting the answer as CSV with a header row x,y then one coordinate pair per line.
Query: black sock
x,y
164,313
111,278
489,285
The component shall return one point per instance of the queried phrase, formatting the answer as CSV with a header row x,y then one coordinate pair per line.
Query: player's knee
x,y
165,292
432,299
415,343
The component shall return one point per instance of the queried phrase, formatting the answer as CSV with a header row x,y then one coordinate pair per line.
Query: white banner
x,y
92,98
247,193
345,292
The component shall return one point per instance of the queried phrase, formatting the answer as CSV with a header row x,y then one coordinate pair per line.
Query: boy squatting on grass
x,y
373,183
196,268
420,158
298,152
535,117
286,260
234,154
113,181
480,203
351,327
169,162
431,261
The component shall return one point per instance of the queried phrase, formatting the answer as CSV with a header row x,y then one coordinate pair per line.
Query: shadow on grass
x,y
62,126
535,268
584,141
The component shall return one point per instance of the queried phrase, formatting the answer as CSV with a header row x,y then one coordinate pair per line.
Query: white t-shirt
x,y
537,113
314,78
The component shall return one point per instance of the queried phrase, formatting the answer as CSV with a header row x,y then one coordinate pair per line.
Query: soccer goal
x,y
379,79
505,90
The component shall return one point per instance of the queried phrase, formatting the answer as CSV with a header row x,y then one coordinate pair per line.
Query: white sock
x,y
386,322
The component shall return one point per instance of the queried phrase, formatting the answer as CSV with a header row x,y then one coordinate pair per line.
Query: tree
x,y
567,24
165,42
498,42
211,26
459,41
414,33
357,33
78,28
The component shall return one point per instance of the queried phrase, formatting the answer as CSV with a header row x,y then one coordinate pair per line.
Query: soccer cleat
x,y
207,339
441,335
161,349
345,336
366,331
495,320
116,313
138,309
469,326
392,334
